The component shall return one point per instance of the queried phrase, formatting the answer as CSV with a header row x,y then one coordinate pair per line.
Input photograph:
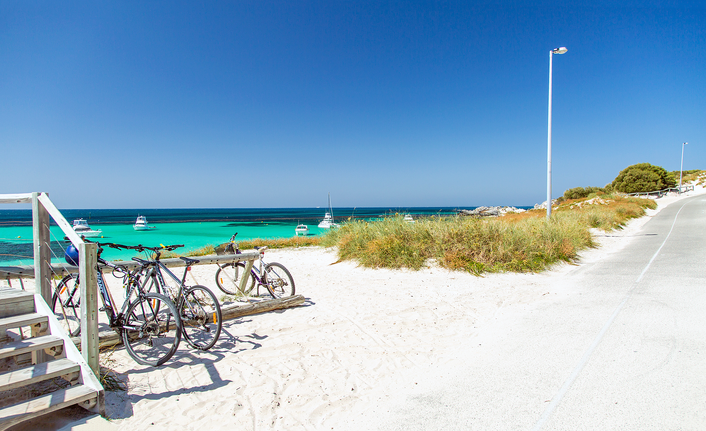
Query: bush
x,y
581,192
643,177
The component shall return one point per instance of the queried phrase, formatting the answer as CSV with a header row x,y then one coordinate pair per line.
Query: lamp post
x,y
682,164
561,50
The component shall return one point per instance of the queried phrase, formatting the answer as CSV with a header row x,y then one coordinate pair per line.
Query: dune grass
x,y
523,242
299,241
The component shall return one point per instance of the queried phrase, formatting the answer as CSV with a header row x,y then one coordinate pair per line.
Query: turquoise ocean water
x,y
194,228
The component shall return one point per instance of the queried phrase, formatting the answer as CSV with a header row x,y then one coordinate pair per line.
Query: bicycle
x,y
149,325
198,307
273,276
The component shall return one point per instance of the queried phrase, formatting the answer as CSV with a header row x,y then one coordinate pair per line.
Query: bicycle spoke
x,y
201,317
278,280
149,336
66,304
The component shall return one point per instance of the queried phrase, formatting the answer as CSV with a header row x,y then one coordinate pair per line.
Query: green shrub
x,y
643,177
581,192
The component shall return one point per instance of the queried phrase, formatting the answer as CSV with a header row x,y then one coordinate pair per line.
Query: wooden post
x,y
89,305
42,250
246,275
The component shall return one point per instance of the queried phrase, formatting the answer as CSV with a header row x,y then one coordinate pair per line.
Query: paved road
x,y
619,344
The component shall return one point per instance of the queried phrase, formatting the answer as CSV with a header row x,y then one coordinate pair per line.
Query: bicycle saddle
x,y
188,261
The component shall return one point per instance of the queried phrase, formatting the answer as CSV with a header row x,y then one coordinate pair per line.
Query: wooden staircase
x,y
32,366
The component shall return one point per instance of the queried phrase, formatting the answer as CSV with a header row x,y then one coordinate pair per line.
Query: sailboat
x,y
327,222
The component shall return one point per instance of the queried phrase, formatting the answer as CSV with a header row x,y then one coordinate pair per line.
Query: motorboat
x,y
301,229
141,224
327,222
82,228
408,218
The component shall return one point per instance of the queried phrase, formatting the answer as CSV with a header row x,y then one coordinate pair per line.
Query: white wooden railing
x,y
42,209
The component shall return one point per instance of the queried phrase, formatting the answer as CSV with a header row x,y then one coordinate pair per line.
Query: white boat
x,y
141,224
302,229
327,222
408,218
82,228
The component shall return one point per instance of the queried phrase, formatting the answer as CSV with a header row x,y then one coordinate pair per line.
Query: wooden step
x,y
30,345
37,373
14,302
22,320
12,415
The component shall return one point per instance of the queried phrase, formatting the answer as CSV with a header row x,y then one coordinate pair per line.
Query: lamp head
x,y
561,50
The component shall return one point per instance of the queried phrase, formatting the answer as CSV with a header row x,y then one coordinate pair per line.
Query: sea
x,y
194,228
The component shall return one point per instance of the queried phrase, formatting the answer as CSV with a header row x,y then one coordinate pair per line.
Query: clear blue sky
x,y
161,104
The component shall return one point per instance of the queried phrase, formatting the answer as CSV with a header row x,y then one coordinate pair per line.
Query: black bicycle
x,y
149,324
198,307
273,276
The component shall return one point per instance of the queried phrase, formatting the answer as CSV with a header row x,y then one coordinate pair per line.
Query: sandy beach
x,y
361,336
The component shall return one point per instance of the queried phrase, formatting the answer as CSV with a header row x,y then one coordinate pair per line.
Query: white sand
x,y
361,334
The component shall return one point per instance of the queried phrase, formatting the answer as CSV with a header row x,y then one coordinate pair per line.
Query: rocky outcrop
x,y
543,205
490,211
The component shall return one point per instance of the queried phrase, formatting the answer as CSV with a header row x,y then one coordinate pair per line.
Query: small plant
x,y
110,379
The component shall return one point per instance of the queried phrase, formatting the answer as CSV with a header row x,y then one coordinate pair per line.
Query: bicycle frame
x,y
131,285
155,271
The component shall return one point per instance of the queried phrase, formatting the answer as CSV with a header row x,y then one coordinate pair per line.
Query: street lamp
x,y
682,164
561,50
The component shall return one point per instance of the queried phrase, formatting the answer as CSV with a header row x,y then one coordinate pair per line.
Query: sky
x,y
275,104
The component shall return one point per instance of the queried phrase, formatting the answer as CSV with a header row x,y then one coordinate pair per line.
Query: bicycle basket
x,y
225,248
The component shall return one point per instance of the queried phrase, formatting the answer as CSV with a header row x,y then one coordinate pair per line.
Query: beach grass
x,y
293,242
523,242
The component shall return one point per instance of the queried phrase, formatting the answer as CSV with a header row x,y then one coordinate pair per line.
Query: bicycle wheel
x,y
66,304
278,280
201,318
150,336
227,278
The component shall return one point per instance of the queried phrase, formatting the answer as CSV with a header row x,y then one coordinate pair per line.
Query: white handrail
x,y
59,219
17,198
42,209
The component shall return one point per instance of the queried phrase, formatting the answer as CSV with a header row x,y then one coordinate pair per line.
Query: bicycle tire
x,y
278,280
151,337
201,318
66,304
228,278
